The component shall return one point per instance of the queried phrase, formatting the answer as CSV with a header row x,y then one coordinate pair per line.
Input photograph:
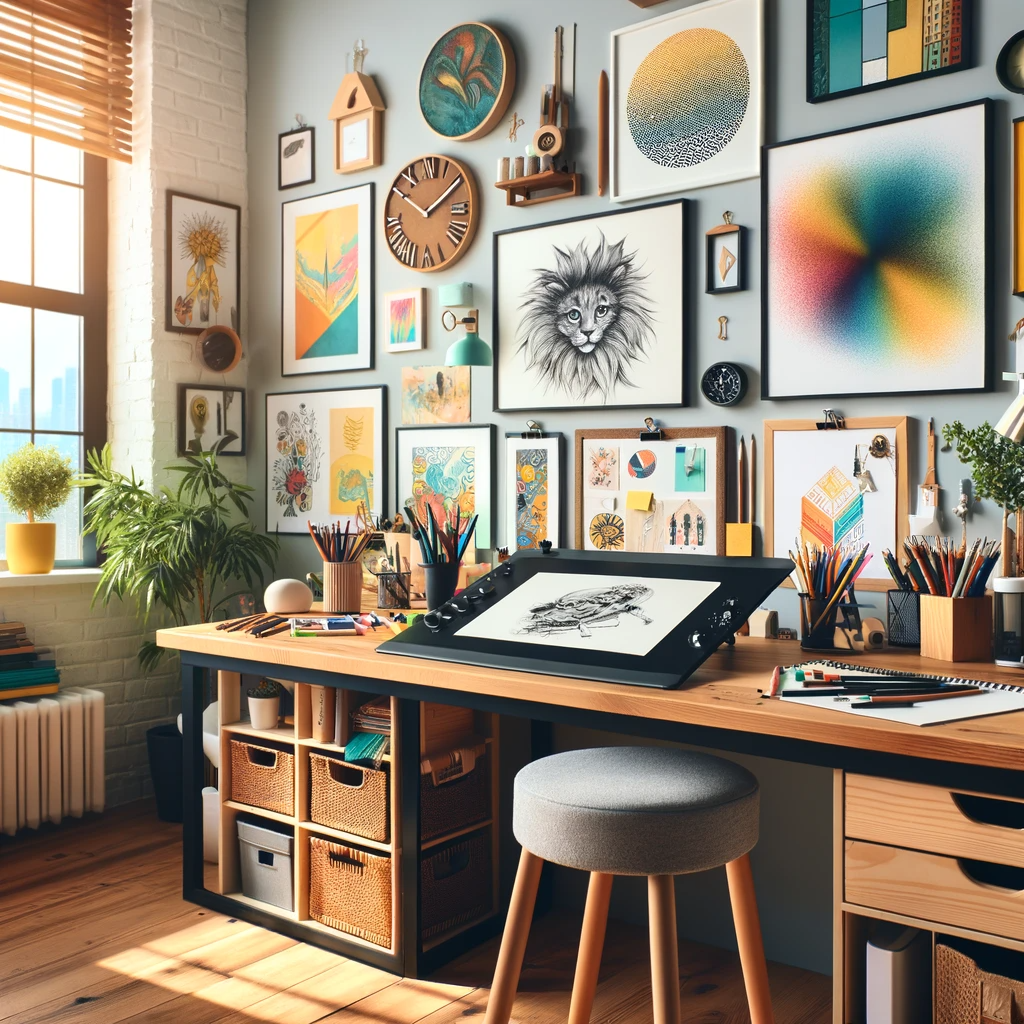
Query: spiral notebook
x,y
998,699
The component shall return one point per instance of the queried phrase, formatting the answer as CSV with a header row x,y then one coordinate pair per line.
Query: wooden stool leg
x,y
588,962
513,941
661,907
748,938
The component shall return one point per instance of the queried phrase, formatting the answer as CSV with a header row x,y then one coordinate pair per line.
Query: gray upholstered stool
x,y
633,811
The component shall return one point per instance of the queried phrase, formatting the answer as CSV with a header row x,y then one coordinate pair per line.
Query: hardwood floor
x,y
93,929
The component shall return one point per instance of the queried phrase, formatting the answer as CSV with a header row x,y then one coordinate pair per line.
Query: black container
x,y
165,768
441,580
903,612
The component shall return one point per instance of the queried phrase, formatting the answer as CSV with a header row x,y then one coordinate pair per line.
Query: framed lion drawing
x,y
589,312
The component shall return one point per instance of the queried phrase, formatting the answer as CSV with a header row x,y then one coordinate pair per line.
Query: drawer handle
x,y
260,757
347,774
987,810
993,876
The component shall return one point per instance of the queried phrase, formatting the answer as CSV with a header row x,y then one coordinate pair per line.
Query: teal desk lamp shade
x,y
470,350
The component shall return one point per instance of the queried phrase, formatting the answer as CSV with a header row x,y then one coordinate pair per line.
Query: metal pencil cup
x,y
821,638
343,587
903,614
393,589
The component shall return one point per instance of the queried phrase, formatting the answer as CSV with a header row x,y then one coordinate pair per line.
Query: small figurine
x,y
398,524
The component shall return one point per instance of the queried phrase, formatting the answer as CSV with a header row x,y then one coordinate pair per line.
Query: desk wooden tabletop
x,y
723,694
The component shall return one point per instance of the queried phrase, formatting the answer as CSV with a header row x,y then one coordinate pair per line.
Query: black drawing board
x,y
619,617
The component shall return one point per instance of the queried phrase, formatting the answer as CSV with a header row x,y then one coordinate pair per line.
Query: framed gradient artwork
x,y
435,394
534,490
857,45
876,242
449,470
686,99
327,282
326,456
403,320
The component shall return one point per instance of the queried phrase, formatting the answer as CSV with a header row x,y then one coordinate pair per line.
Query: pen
x,y
907,687
906,700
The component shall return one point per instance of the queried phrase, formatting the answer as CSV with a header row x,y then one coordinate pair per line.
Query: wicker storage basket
x,y
348,797
456,802
965,994
263,776
350,890
455,883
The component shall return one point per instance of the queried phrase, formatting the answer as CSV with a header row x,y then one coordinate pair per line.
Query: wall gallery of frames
x,y
724,217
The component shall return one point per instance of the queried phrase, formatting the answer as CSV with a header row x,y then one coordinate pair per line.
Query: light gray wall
x,y
297,54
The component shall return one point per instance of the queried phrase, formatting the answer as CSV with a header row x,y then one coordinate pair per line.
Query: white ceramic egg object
x,y
285,597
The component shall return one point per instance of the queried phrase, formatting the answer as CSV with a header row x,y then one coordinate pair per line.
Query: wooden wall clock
x,y
431,213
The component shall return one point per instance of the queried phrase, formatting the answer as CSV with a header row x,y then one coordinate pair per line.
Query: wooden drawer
x,y
935,819
935,888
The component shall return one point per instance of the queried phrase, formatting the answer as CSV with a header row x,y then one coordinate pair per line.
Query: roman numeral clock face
x,y
430,215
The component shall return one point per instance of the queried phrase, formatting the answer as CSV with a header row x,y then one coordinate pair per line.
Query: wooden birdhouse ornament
x,y
358,116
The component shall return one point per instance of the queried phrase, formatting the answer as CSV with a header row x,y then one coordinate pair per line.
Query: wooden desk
x,y
719,707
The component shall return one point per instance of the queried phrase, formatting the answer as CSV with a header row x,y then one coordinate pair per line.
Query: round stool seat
x,y
636,810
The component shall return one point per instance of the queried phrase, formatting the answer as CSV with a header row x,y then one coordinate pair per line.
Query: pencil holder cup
x,y
956,628
441,579
817,633
343,587
393,589
903,611
1008,616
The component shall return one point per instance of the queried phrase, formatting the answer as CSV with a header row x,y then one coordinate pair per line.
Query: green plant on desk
x,y
182,552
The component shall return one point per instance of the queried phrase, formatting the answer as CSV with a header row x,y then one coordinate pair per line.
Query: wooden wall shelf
x,y
523,191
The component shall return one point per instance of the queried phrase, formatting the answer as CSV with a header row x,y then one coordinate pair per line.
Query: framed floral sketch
x,y
326,456
209,415
203,263
327,282
589,311
686,99
534,490
449,469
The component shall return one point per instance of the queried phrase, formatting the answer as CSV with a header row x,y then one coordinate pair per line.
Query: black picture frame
x,y
492,434
967,61
305,130
684,301
182,406
561,487
711,287
988,247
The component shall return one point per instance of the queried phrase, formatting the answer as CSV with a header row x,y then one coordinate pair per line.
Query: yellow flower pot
x,y
31,547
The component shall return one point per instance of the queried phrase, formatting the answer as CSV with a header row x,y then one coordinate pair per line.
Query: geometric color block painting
x,y
868,44
686,99
832,511
327,282
876,243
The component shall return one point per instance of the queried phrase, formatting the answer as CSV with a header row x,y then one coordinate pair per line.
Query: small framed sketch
x,y
203,263
534,490
326,456
726,258
403,320
663,496
449,469
209,415
296,158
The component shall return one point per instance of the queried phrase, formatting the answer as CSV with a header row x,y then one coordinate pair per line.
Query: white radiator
x,y
51,758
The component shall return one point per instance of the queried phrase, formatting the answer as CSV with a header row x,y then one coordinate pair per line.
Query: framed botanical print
x,y
403,320
534,490
451,471
210,415
326,456
686,99
296,158
876,246
327,282
589,311
203,263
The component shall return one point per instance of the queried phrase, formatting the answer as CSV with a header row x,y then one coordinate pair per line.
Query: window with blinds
x,y
65,72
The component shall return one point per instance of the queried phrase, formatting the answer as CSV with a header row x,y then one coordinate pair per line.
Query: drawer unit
x,y
935,819
965,894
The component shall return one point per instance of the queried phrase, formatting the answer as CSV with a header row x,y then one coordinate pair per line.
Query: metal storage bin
x,y
266,860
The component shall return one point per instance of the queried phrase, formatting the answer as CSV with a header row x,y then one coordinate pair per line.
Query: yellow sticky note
x,y
640,500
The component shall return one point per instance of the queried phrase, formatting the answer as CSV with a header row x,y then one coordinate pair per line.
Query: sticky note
x,y
639,500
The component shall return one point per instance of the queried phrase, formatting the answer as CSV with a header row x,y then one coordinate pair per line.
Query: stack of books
x,y
374,716
25,670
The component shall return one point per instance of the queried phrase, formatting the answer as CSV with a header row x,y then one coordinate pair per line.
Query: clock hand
x,y
441,198
399,192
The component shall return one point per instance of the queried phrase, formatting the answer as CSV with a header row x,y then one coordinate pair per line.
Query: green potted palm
x,y
34,482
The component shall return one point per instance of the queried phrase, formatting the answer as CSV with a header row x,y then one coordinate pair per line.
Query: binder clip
x,y
832,421
653,431
533,430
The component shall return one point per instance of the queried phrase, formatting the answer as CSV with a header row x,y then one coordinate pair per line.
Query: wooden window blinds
x,y
65,72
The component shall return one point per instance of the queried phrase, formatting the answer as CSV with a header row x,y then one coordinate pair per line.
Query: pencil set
x,y
938,566
825,575
337,545
446,542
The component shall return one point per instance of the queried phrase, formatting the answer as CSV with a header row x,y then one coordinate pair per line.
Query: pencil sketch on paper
x,y
583,610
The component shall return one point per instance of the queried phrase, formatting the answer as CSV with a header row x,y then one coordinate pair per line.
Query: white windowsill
x,y
59,577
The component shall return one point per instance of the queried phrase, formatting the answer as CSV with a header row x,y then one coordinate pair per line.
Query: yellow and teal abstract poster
x,y
876,251
327,282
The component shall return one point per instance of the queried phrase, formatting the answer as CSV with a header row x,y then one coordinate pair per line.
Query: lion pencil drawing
x,y
587,322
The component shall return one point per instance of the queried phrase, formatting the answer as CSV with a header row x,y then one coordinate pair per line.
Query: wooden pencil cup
x,y
956,628
343,587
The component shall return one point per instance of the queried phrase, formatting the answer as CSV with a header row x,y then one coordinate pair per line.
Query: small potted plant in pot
x,y
264,704
34,482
